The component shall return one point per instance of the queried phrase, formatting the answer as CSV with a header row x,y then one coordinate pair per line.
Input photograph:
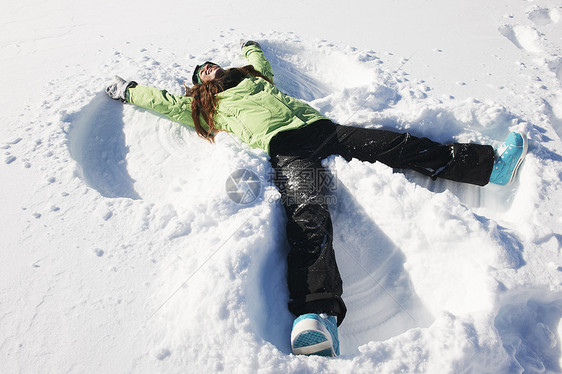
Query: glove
x,y
244,43
118,90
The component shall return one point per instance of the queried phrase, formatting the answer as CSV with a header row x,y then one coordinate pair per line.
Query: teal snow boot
x,y
509,158
315,334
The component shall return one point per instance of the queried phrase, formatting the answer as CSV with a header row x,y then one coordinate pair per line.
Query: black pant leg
x,y
468,163
314,281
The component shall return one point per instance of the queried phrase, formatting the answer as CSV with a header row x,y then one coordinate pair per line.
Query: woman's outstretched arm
x,y
253,53
177,108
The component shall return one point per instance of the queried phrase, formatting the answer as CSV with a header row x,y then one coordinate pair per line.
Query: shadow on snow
x,y
97,142
379,294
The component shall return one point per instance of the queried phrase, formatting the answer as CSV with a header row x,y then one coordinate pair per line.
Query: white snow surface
x,y
122,252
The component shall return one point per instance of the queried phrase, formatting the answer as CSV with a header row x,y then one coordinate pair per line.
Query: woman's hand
x,y
245,43
118,89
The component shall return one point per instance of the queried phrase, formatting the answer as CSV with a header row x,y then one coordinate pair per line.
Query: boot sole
x,y
310,337
521,158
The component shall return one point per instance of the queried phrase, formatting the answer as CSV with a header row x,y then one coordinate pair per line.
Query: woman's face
x,y
210,72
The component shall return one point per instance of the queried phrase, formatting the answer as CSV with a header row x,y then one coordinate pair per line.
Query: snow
x,y
122,252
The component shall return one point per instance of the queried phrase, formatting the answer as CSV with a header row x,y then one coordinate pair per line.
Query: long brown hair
x,y
204,104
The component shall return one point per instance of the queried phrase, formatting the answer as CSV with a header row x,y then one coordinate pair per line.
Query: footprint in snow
x,y
543,16
523,37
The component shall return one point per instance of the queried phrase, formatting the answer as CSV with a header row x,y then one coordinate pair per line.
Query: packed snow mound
x,y
169,274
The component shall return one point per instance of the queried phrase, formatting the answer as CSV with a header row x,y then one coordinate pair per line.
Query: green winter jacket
x,y
254,110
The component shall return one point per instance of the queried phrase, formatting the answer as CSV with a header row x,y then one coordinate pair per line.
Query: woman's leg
x,y
468,163
313,278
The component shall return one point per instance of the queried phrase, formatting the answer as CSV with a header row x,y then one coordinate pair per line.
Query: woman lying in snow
x,y
245,102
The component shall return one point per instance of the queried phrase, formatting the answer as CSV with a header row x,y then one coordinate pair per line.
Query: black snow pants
x,y
315,285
